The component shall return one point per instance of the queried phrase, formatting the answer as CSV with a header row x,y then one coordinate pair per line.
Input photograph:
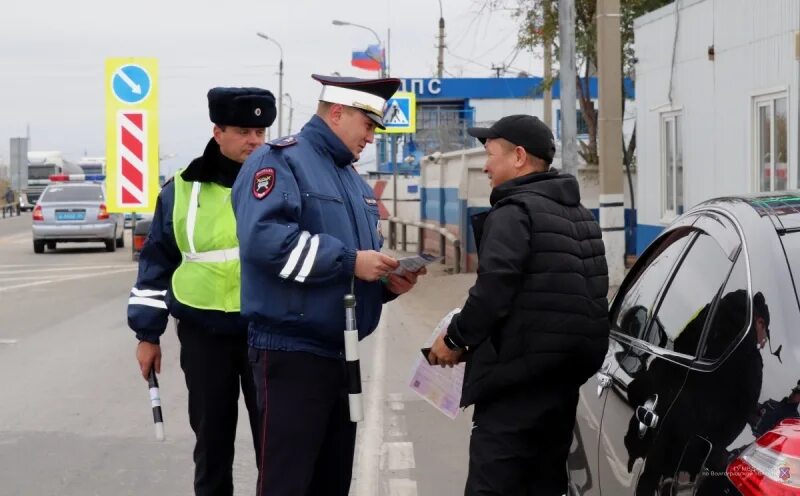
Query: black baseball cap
x,y
522,130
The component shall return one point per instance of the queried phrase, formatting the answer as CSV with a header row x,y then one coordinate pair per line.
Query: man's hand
x,y
371,265
402,283
149,356
442,355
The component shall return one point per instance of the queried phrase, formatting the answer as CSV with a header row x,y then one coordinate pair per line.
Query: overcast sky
x,y
52,55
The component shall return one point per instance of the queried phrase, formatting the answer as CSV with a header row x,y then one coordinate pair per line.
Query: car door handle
x,y
603,381
647,416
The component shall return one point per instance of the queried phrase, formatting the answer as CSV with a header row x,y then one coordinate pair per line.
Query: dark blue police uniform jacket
x,y
302,212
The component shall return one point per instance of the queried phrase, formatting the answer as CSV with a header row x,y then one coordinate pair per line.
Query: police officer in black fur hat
x,y
189,268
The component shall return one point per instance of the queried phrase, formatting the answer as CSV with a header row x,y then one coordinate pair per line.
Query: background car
x,y
75,212
699,390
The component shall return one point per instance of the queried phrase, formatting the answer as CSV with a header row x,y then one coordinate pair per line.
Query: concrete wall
x,y
454,188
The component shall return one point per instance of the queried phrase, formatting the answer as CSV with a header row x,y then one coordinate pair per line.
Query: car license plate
x,y
70,215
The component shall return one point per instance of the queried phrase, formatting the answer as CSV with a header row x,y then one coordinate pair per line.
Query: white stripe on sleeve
x,y
294,257
148,292
135,300
309,261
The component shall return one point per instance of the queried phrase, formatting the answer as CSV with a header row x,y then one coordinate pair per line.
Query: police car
x,y
72,209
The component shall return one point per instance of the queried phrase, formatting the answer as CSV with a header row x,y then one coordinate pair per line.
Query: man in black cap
x,y
189,268
535,320
309,235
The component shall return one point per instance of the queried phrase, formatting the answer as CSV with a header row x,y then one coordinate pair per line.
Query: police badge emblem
x,y
263,182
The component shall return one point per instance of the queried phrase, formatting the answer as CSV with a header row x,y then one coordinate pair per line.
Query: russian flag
x,y
370,59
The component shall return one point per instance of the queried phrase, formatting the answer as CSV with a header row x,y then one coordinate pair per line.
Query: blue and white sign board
x,y
131,84
400,115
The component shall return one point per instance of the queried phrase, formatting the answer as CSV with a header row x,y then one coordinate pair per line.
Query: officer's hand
x,y
402,283
149,356
371,265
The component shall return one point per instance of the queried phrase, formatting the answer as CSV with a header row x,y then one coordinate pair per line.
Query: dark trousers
x,y
520,442
307,438
216,367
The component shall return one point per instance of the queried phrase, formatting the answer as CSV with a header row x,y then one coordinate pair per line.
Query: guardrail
x,y
445,236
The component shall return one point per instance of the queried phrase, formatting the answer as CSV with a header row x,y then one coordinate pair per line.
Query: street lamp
x,y
280,82
380,43
291,111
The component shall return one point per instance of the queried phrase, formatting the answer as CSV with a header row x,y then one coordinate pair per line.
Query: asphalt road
x,y
75,417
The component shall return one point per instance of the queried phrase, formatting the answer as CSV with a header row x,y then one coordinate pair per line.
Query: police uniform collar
x,y
212,167
321,135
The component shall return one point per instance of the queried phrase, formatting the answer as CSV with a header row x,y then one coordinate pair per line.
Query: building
x,y
447,107
717,104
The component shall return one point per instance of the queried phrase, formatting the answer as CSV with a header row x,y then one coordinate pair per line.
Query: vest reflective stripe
x,y
213,256
205,232
191,218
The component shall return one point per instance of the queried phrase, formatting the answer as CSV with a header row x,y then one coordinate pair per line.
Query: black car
x,y
699,391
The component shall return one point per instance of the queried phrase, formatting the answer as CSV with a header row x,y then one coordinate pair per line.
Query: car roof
x,y
780,209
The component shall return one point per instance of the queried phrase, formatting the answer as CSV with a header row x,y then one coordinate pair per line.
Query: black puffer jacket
x,y
537,315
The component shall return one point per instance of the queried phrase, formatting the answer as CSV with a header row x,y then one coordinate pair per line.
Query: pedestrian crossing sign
x,y
400,115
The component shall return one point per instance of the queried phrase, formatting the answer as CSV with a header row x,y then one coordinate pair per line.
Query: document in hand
x,y
441,387
413,264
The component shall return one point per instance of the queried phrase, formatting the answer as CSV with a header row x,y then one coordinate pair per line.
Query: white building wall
x,y
754,53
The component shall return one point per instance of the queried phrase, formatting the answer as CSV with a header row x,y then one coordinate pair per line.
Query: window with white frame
x,y
770,142
671,165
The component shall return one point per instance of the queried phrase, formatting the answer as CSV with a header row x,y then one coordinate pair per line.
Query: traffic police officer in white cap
x,y
309,234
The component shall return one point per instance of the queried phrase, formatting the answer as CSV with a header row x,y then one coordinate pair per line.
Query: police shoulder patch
x,y
283,142
263,182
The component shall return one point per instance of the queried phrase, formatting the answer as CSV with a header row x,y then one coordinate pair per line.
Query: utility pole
x,y
440,63
548,71
612,196
569,125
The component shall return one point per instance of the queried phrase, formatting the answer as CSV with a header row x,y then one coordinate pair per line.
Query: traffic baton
x,y
351,360
155,402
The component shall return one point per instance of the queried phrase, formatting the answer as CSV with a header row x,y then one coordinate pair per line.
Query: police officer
x,y
308,232
189,268
536,319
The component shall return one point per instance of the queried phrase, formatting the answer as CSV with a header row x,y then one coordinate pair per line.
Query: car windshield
x,y
89,192
41,171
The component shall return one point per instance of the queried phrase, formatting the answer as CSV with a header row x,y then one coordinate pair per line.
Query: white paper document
x,y
439,386
415,263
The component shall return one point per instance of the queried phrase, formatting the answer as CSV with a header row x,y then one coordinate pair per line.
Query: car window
x,y
72,193
638,295
730,315
681,316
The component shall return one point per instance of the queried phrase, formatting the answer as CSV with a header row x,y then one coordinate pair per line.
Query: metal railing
x,y
445,236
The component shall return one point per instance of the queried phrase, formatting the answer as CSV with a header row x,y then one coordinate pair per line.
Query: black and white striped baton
x,y
351,359
155,402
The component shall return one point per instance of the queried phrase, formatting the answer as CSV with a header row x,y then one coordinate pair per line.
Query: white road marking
x,y
396,402
397,456
396,427
402,487
9,341
70,278
369,454
61,268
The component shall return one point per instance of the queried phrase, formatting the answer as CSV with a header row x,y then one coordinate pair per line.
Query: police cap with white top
x,y
366,95
241,107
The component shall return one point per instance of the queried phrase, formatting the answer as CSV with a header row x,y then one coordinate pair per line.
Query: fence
x,y
445,236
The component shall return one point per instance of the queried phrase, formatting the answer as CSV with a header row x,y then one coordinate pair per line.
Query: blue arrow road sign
x,y
131,84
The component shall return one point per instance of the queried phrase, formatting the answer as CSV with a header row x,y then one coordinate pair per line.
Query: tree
x,y
539,25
